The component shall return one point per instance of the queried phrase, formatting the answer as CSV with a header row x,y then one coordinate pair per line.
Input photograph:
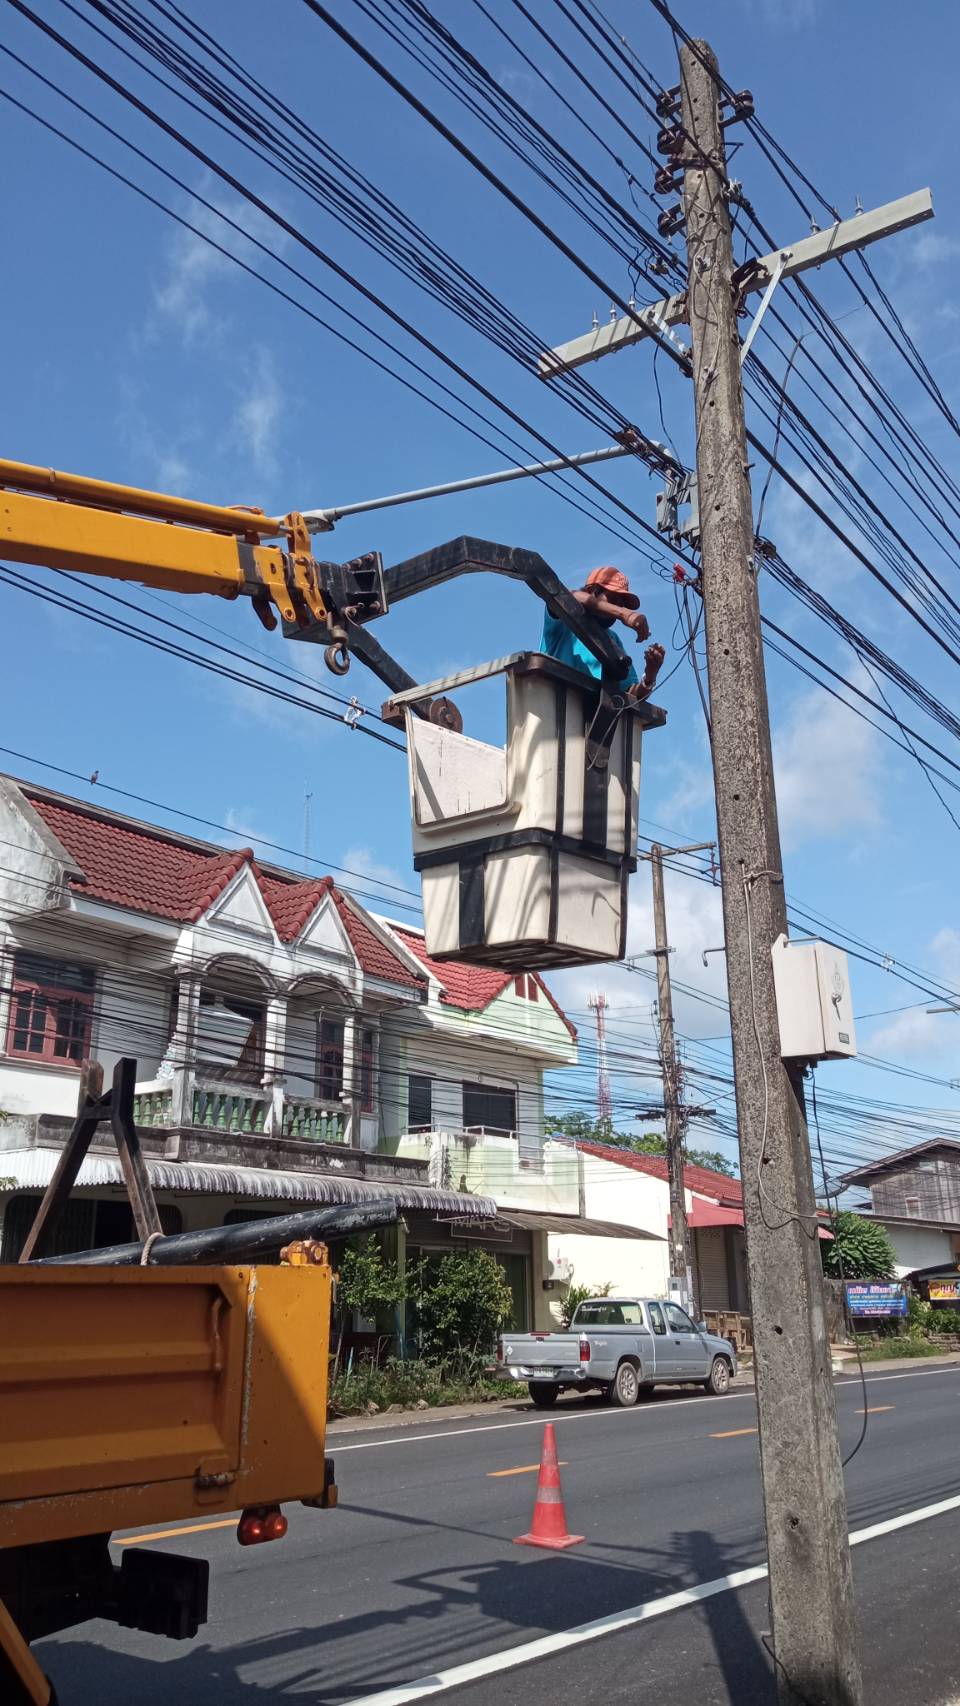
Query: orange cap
x,y
615,582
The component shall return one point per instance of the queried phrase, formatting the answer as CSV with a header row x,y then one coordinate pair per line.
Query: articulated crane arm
x,y
93,527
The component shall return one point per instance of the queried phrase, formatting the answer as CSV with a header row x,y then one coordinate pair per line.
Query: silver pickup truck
x,y
621,1346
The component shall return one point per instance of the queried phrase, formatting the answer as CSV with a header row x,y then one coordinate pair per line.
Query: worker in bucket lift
x,y
607,597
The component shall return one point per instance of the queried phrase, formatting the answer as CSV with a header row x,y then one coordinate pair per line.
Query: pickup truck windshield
x,y
604,1314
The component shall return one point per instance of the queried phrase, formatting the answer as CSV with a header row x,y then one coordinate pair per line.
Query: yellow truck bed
x,y
147,1395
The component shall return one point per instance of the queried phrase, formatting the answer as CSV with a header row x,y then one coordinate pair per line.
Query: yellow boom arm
x,y
67,521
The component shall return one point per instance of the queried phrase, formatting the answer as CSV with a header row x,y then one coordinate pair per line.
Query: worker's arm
x,y
653,661
598,605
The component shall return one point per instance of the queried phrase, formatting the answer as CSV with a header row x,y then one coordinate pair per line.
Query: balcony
x,y
185,1101
491,1164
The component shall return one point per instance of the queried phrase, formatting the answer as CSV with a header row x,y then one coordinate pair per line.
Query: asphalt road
x,y
415,1575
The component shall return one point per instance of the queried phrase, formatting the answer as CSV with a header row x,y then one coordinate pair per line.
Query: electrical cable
x,y
10,577
293,231
843,1278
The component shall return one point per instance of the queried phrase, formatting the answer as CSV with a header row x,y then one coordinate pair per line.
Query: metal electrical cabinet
x,y
814,1001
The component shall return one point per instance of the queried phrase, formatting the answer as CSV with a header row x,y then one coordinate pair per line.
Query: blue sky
x,y
132,351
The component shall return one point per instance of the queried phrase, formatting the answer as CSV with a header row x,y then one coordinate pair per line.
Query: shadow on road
x,y
445,1617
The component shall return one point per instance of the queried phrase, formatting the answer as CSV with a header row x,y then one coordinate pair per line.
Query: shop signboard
x,y
873,1298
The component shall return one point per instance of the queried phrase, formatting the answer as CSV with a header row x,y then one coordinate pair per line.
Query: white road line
x,y
609,1415
546,1646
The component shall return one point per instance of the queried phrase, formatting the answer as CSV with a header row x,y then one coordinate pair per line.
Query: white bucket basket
x,y
524,851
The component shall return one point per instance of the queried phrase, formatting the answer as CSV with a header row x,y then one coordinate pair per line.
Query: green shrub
x,y
918,1316
943,1320
461,1302
408,1384
859,1250
366,1282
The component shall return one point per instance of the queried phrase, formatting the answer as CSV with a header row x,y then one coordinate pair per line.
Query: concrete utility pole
x,y
811,1592
681,1268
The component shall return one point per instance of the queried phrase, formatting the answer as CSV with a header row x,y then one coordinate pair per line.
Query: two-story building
x,y
915,1194
292,1047
618,1183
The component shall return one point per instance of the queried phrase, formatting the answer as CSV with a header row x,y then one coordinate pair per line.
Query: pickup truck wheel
x,y
625,1386
719,1381
542,1394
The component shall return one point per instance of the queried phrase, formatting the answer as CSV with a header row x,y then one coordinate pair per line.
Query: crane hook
x,y
337,657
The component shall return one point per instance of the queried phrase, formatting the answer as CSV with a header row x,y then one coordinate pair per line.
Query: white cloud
x,y
188,292
930,248
241,821
364,862
694,922
691,795
830,772
913,1033
182,294
256,419
173,470
916,1032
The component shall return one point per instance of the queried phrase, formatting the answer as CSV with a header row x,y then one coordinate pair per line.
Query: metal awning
x,y
576,1225
702,1213
32,1169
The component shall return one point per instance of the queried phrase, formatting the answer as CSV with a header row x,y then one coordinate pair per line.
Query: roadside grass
x,y
369,1388
901,1348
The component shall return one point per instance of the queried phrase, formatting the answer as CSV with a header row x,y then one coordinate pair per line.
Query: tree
x,y
577,1294
581,1127
366,1283
859,1250
462,1301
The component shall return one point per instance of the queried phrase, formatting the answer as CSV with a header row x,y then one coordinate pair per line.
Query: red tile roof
x,y
471,988
140,868
703,1180
376,958
290,904
144,869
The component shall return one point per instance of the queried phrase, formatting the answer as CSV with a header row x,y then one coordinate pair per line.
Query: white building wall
x,y
624,1197
131,1015
918,1246
450,1060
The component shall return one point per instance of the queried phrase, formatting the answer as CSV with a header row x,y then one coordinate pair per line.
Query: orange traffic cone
x,y
549,1517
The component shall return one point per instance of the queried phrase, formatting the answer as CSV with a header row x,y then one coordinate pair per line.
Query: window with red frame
x,y
368,1061
51,1009
526,987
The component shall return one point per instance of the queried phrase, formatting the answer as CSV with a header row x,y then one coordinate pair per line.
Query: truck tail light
x,y
260,1523
584,1350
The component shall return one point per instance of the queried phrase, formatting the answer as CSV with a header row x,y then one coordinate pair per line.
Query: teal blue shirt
x,y
560,642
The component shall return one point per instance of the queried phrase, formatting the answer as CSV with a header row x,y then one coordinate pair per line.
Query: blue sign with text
x,y
874,1299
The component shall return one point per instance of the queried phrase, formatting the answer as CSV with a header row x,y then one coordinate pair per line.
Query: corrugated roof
x,y
471,988
32,1169
576,1225
150,870
899,1158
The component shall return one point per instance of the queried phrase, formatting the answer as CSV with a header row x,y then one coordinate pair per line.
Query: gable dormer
x,y
324,932
241,909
